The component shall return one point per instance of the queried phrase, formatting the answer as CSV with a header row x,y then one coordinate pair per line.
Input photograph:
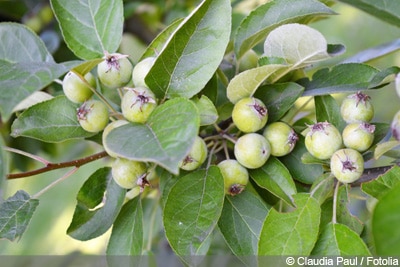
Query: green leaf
x,y
191,212
291,233
247,82
15,214
327,109
58,125
385,10
127,232
275,177
165,139
339,240
385,219
159,42
87,66
322,188
193,53
383,184
338,80
374,52
241,225
20,44
99,201
207,110
279,98
90,27
299,45
19,80
305,173
384,147
343,213
262,20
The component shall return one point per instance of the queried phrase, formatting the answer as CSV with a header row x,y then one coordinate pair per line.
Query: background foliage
x,y
367,35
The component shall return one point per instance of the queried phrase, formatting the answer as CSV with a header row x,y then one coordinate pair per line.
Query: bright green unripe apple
x,y
347,165
93,116
250,114
235,176
137,104
252,150
75,89
196,156
141,70
127,173
357,108
358,136
115,71
111,126
281,137
322,140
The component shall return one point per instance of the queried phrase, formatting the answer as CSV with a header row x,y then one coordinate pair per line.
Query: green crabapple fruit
x,y
252,150
347,165
281,137
93,116
249,114
111,126
357,108
137,104
248,61
196,156
235,176
322,140
128,173
75,89
395,126
115,71
141,70
358,136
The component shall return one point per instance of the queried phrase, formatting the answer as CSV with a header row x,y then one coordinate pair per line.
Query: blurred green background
x,y
46,234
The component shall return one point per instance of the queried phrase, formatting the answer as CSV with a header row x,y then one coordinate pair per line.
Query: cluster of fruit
x,y
324,141
253,149
137,103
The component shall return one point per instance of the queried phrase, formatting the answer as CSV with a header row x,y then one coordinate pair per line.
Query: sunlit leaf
x,y
262,20
291,233
193,53
90,27
207,110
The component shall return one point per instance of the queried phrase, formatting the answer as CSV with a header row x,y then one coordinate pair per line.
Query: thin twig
x,y
335,196
62,178
27,154
54,166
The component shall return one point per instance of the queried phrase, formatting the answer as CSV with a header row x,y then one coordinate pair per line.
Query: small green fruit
x,y
252,150
250,114
128,173
111,126
141,70
281,137
75,89
235,176
93,116
358,136
196,156
322,140
137,104
248,61
115,71
357,108
347,165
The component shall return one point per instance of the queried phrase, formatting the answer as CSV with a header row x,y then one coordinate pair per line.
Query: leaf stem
x,y
27,154
54,166
223,77
335,196
62,178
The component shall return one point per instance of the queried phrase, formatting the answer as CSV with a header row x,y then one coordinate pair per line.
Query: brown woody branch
x,y
54,166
